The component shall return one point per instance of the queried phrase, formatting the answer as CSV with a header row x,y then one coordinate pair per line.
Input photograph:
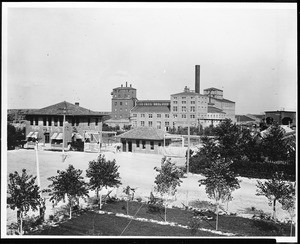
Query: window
x,y
192,102
49,121
44,121
174,109
167,116
121,103
175,102
192,108
167,123
120,109
175,97
174,115
61,121
73,121
96,122
158,124
183,97
150,116
144,144
183,102
158,115
159,144
137,142
89,121
192,116
77,121
36,121
116,103
152,145
150,123
142,123
142,115
55,121
183,109
134,115
183,116
31,121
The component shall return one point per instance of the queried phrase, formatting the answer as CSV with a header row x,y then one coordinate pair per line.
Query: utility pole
x,y
100,137
63,144
37,164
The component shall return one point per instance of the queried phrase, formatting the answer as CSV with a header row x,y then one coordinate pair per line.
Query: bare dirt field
x,y
136,170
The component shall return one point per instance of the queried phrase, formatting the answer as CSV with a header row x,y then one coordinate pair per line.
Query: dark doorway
x,y
286,121
47,138
129,146
124,146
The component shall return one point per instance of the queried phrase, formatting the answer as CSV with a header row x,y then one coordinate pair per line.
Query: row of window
x,y
121,103
184,102
150,116
58,121
183,109
121,109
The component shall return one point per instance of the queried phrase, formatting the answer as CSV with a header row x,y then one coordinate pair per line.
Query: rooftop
x,y
150,109
144,133
243,118
211,109
69,108
212,88
223,100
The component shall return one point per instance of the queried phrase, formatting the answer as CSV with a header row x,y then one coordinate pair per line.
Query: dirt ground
x,y
136,170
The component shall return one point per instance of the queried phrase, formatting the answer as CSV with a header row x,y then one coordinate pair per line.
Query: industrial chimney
x,y
197,79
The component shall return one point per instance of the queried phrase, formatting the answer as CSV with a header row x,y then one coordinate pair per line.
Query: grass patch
x,y
92,223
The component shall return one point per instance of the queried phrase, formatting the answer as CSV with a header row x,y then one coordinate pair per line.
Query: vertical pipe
x,y
197,79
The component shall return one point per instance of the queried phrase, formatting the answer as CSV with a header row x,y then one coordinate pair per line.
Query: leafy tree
x,y
274,189
23,194
14,136
250,145
288,201
273,144
68,183
219,183
209,131
228,136
103,173
167,179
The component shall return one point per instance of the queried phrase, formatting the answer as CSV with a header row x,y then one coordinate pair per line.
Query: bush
x,y
77,146
194,225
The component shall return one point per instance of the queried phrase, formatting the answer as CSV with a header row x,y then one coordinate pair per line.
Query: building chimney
x,y
197,79
121,85
126,83
77,103
130,85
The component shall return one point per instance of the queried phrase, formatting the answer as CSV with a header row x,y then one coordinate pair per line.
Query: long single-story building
x,y
144,140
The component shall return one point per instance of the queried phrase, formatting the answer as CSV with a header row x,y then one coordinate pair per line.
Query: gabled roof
x,y
211,109
186,93
243,118
212,88
223,100
150,109
69,108
144,133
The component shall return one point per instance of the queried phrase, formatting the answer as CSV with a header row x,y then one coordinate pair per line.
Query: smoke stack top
x,y
126,83
197,79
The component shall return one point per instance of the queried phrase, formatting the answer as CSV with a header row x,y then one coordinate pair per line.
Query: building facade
x,y
46,125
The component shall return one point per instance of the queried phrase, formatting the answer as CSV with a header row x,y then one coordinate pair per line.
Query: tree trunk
x,y
274,209
97,192
291,232
21,223
100,200
70,211
217,217
165,212
127,205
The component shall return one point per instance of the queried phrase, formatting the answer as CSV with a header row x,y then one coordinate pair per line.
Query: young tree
x,y
23,194
103,173
274,189
130,194
167,180
219,183
288,201
68,183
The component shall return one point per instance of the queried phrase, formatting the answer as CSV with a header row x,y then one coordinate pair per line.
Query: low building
x,y
143,140
281,117
46,124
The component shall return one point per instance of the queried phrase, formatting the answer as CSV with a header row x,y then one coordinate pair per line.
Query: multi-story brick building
x,y
46,124
151,113
123,100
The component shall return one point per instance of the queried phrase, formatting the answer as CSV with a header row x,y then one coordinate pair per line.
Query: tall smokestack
x,y
197,79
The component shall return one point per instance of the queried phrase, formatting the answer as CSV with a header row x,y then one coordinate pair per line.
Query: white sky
x,y
80,54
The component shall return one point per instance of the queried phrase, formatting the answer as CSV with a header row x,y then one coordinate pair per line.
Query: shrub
x,y
194,225
77,145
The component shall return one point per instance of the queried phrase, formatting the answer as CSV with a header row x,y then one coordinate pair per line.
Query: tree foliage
x,y
273,144
23,194
103,173
68,183
274,189
15,136
219,183
167,179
